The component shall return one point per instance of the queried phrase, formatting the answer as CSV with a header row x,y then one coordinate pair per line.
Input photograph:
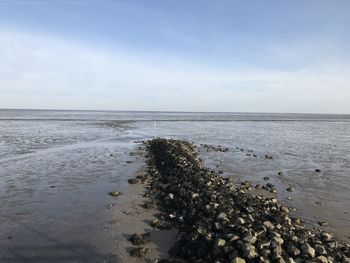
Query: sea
x,y
41,150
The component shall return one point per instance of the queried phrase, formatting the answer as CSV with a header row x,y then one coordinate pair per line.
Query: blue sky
x,y
252,56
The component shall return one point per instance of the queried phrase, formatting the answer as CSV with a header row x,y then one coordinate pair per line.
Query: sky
x,y
167,55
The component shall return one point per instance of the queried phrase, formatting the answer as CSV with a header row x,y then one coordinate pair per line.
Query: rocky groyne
x,y
221,222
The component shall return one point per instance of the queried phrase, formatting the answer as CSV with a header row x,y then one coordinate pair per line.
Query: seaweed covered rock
x,y
220,222
138,240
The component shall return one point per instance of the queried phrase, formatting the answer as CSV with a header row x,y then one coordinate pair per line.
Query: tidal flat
x,y
58,168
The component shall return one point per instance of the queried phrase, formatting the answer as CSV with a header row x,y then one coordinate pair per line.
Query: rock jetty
x,y
221,222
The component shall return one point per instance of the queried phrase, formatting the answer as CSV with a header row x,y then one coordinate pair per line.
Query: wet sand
x,y
309,207
53,218
73,219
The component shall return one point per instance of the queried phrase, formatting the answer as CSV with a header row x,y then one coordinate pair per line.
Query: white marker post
x,y
154,129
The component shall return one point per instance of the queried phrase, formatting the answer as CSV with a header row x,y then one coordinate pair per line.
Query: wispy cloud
x,y
39,71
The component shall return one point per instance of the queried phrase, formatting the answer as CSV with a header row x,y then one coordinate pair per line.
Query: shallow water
x,y
56,167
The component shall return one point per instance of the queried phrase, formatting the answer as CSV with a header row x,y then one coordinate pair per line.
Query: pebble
x,y
324,224
250,239
326,236
137,239
268,225
238,260
220,243
308,250
320,250
139,252
115,193
249,251
322,259
133,181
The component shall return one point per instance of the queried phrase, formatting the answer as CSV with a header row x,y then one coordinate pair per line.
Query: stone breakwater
x,y
220,222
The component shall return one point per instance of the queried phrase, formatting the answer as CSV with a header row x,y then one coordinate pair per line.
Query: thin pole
x,y
154,129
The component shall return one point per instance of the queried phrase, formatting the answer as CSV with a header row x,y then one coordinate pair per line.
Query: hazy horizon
x,y
174,111
198,56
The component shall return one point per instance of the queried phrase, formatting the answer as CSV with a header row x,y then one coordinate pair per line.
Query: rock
x,y
133,181
115,193
220,242
246,184
194,195
280,260
308,250
285,209
280,173
249,251
172,216
238,260
249,209
148,205
322,259
223,217
250,239
290,189
277,252
318,171
320,250
324,224
270,186
240,221
234,238
155,223
293,250
266,178
268,225
326,236
137,239
277,241
217,226
139,252
264,244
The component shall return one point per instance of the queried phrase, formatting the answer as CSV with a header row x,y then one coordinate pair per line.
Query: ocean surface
x,y
41,148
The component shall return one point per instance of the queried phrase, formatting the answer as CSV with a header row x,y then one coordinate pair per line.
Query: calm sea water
x,y
63,144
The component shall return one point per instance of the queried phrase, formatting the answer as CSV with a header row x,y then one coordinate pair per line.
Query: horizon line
x,y
172,111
